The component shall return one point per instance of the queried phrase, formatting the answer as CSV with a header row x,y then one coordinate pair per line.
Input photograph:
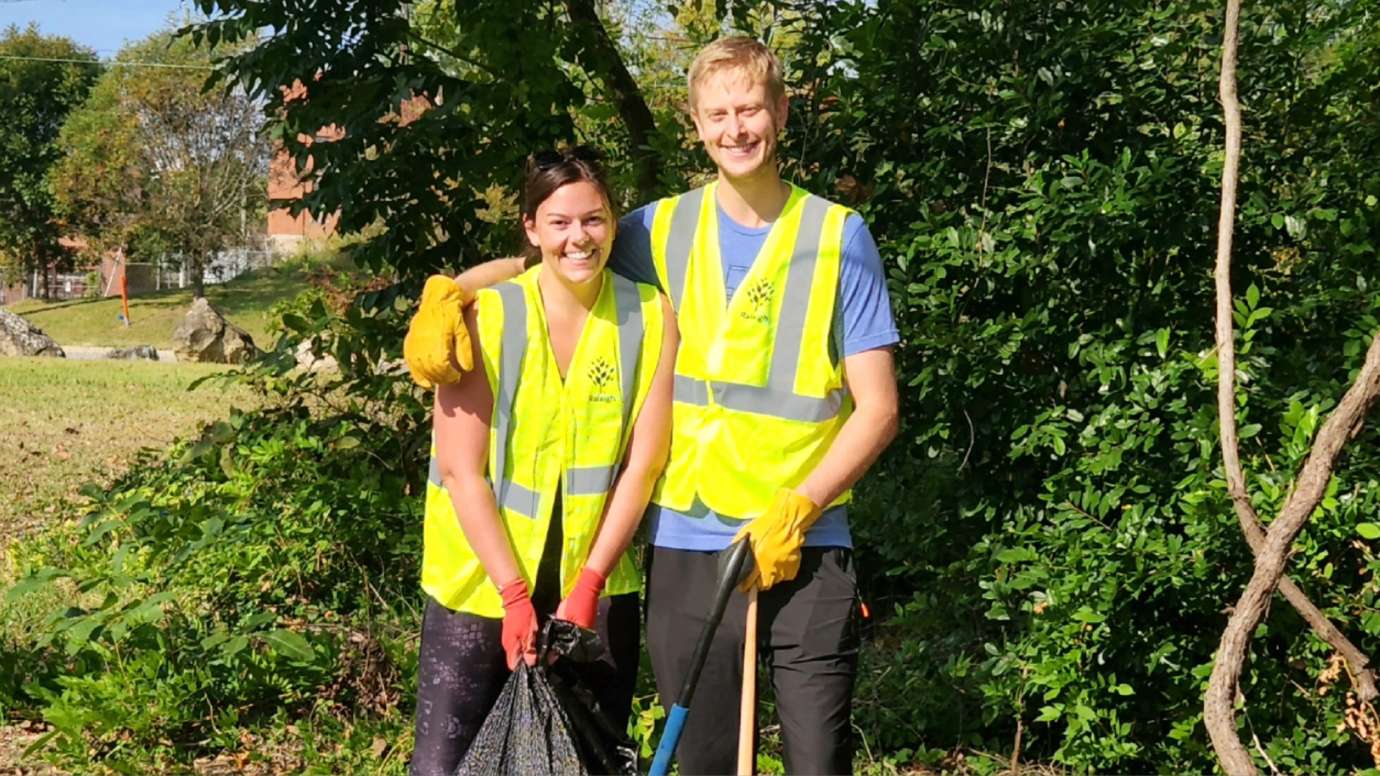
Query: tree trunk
x,y
1246,516
1270,548
197,268
599,56
1308,490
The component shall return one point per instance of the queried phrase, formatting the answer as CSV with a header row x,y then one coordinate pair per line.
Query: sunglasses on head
x,y
545,160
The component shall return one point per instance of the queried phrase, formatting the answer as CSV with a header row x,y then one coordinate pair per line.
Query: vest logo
x,y
600,376
759,296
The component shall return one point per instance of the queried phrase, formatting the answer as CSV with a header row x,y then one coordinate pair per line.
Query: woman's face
x,y
573,228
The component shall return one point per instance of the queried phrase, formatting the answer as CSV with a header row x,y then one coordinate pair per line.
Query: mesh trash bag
x,y
546,720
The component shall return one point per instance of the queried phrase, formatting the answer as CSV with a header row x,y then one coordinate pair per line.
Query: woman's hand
x,y
519,624
582,605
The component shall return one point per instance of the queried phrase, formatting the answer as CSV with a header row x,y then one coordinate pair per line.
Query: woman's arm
x,y
461,422
648,448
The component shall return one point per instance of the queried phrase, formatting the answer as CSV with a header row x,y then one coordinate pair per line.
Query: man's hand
x,y
519,624
437,340
777,537
582,605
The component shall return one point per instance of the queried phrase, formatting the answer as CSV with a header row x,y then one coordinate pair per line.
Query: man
x,y
785,394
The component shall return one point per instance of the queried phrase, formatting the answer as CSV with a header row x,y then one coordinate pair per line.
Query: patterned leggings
x,y
462,667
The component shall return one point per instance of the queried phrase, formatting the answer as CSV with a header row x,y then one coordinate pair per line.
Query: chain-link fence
x,y
169,271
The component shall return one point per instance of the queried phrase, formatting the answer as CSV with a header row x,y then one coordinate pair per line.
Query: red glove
x,y
519,623
582,605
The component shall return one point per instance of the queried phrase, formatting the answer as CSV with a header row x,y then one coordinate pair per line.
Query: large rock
x,y
308,360
205,335
133,353
18,337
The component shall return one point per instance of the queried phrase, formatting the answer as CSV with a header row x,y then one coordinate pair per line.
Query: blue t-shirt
x,y
863,321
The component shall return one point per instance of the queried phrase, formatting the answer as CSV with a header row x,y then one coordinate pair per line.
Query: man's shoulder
x,y
825,201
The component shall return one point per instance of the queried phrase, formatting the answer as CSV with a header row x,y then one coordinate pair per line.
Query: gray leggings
x,y
462,668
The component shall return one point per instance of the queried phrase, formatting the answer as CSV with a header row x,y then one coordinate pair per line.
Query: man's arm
x,y
871,377
778,535
490,273
436,344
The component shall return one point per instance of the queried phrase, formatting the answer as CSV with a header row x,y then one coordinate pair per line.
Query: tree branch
x,y
1308,491
599,56
1222,688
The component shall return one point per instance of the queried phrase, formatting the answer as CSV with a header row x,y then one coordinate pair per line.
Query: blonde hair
x,y
741,53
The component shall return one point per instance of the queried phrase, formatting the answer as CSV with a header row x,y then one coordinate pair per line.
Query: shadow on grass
x,y
62,304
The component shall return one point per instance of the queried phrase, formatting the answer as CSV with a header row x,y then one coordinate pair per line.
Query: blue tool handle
x,y
670,736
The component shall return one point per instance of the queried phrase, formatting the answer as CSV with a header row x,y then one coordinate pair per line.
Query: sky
x,y
103,25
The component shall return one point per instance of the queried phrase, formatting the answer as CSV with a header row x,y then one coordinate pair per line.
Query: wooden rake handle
x,y
747,712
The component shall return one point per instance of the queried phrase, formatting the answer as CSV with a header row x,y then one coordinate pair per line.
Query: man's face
x,y
738,122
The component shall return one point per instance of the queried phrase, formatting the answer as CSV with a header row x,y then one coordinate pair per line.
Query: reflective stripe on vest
x,y
584,435
705,404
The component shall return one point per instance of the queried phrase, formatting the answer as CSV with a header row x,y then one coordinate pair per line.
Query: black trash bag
x,y
547,721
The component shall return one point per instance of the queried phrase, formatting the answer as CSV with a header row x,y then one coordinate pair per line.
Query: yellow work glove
x,y
437,334
777,537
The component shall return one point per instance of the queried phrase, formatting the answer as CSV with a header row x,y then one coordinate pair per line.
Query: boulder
x,y
204,335
134,353
18,337
308,360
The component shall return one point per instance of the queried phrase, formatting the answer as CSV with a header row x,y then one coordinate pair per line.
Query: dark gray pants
x,y
808,644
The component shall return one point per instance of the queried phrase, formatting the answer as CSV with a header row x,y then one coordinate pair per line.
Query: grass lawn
x,y
67,423
244,300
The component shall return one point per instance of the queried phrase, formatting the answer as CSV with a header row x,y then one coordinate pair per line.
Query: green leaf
x,y
1124,689
99,532
1368,530
80,633
31,584
1162,342
1086,614
1017,555
233,646
289,644
294,322
227,462
39,743
1252,297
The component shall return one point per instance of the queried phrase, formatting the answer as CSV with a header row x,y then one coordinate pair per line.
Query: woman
x,y
544,459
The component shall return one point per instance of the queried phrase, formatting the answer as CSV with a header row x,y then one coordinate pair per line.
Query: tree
x,y
152,158
1309,486
492,103
35,97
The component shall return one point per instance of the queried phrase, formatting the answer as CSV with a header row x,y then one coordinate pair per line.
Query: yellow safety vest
x,y
759,394
546,434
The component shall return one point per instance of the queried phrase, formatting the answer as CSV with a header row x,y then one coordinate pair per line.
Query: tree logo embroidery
x,y
600,375
759,296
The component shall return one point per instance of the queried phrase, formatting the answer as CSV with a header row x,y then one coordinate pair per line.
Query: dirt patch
x,y
14,739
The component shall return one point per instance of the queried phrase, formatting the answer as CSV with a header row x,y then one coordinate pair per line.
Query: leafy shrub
x,y
265,567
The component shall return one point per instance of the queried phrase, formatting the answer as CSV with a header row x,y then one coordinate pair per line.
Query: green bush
x,y
265,569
